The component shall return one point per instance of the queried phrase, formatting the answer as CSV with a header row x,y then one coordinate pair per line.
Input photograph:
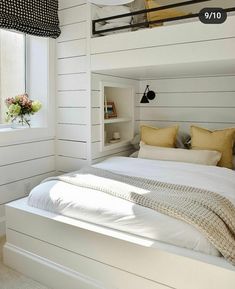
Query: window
x,y
12,67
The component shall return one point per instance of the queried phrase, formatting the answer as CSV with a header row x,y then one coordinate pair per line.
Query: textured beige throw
x,y
211,213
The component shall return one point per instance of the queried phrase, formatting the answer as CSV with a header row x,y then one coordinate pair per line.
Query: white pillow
x,y
108,11
203,157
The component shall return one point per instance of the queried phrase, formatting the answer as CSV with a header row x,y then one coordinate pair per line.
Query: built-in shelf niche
x,y
123,97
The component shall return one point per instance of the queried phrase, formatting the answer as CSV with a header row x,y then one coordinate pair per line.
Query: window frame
x,y
8,125
8,135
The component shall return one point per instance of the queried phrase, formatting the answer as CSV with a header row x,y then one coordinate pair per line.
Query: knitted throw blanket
x,y
209,212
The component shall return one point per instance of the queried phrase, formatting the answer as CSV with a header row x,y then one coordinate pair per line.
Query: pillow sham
x,y
219,140
203,157
161,137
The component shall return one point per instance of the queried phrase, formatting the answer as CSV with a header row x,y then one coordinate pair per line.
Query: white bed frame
x,y
64,253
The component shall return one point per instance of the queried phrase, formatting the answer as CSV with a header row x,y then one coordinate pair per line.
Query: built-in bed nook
x,y
86,229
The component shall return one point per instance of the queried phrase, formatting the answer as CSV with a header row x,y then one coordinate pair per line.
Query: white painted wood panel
x,y
2,211
95,98
72,99
72,65
72,132
73,15
96,150
190,99
191,114
165,35
71,48
72,32
192,84
63,4
121,153
207,51
23,152
72,149
77,115
95,133
16,190
69,164
18,171
72,81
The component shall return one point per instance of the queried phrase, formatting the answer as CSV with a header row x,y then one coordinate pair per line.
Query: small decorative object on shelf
x,y
116,137
109,110
20,108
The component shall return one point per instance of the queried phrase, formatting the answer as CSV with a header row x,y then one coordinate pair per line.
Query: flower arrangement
x,y
20,108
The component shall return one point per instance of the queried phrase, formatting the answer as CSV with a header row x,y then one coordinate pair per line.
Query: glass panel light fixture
x,y
110,2
148,95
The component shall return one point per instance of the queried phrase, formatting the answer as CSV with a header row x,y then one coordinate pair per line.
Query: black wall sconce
x,y
148,95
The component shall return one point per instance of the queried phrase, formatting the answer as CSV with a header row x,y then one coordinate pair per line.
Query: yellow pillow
x,y
219,140
161,137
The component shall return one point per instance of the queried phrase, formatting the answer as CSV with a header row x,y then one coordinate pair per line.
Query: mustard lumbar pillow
x,y
203,157
219,140
161,137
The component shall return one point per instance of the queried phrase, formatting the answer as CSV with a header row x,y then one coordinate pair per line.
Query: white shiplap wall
x,y
204,101
23,166
73,84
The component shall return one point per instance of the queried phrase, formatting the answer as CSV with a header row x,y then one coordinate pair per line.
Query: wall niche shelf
x,y
123,97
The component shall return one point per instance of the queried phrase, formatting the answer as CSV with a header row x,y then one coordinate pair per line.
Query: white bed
x,y
100,208
118,229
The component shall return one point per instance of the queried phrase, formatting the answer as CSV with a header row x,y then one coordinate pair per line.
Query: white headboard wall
x,y
204,101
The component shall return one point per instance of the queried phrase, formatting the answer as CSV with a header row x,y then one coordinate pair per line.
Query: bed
x,y
83,238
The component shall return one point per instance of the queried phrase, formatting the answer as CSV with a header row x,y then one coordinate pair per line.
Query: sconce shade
x,y
110,2
144,99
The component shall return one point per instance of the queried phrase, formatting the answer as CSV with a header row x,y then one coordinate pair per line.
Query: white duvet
x,y
100,208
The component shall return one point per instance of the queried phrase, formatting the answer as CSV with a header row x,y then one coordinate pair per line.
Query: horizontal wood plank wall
x,y
96,153
22,167
204,101
73,86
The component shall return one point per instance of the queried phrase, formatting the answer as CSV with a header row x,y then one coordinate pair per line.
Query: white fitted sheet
x,y
100,208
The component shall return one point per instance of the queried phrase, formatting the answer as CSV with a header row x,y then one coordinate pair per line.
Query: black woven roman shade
x,y
36,17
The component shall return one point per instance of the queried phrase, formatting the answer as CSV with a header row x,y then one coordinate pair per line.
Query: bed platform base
x,y
61,252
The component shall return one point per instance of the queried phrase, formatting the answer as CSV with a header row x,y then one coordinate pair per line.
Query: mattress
x,y
103,209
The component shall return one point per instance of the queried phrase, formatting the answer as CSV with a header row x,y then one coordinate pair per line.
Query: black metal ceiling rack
x,y
148,23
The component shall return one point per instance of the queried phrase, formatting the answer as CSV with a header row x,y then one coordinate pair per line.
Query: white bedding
x,y
100,208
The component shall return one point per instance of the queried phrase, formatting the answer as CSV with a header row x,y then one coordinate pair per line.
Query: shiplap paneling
x,y
190,99
14,172
193,114
71,48
69,164
204,101
72,149
24,152
72,132
18,189
72,65
72,99
23,166
73,116
73,32
163,36
72,82
73,15
63,4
